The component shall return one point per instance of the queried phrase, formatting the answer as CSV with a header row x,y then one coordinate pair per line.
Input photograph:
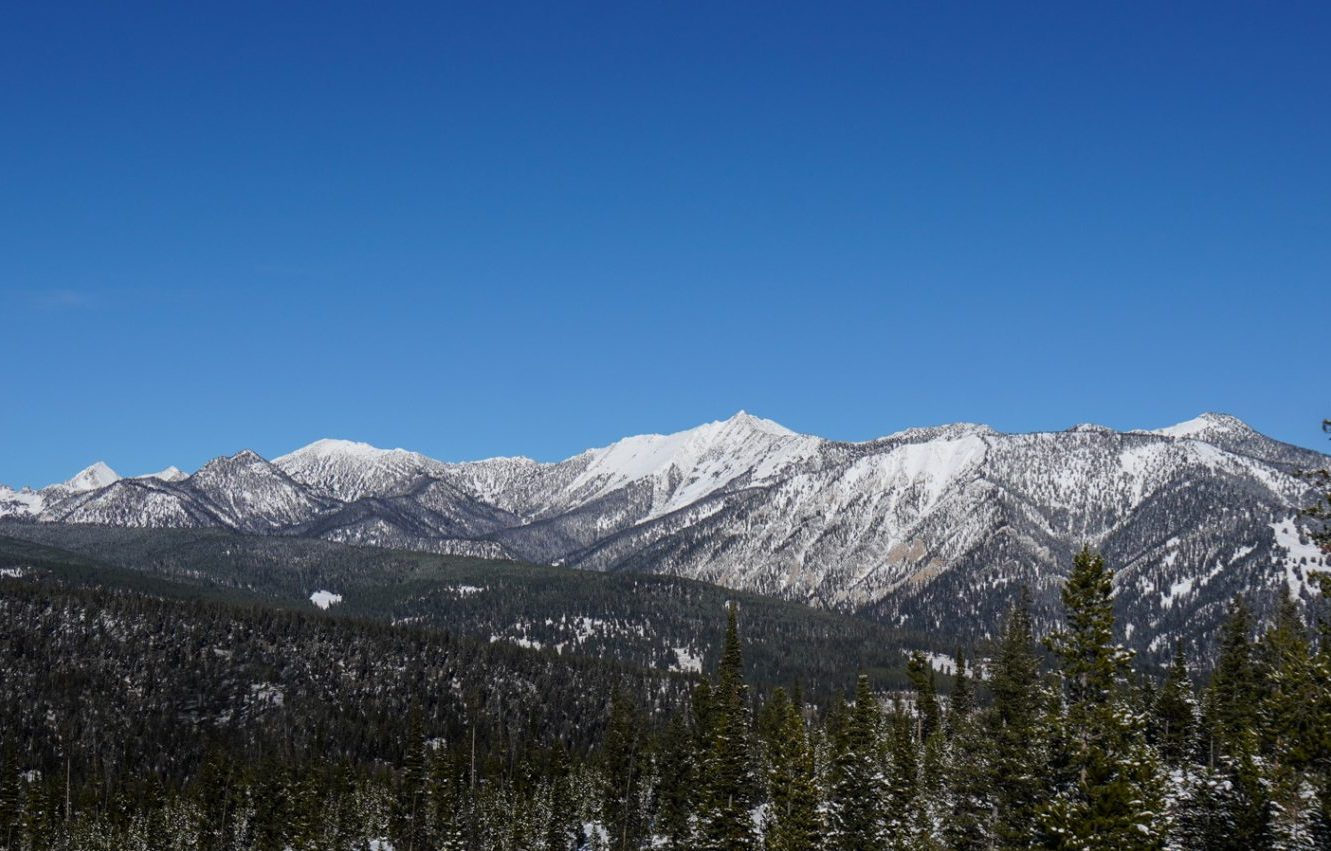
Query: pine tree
x,y
962,699
1231,737
1232,696
623,767
971,791
902,814
793,820
725,822
11,800
1321,741
561,823
1111,795
855,808
409,822
921,675
1290,717
1016,753
1174,713
675,788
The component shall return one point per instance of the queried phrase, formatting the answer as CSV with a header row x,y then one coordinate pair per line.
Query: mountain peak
x,y
1090,428
243,458
749,421
331,448
1207,424
170,474
95,476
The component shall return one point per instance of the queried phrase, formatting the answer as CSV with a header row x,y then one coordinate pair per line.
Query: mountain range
x,y
931,529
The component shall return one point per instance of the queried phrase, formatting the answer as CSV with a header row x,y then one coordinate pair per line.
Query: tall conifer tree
x,y
726,822
1174,713
855,812
1111,796
1017,757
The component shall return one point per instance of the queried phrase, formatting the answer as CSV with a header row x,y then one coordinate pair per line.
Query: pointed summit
x,y
746,420
98,475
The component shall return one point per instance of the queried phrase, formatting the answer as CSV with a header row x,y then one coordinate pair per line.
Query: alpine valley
x,y
931,530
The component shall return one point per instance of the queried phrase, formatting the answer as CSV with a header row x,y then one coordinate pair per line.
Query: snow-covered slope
x,y
348,470
170,474
933,528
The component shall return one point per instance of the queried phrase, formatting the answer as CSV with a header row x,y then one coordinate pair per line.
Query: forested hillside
x,y
140,721
659,622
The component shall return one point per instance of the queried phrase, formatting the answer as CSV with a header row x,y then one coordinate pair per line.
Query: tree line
x,y
1052,741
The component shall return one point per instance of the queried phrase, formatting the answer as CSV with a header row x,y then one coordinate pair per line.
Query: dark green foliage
x,y
634,619
677,785
793,822
1231,703
856,805
1109,792
921,675
729,792
218,725
1019,778
623,757
961,700
972,800
1174,714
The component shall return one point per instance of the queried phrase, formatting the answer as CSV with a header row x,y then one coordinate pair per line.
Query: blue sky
x,y
533,229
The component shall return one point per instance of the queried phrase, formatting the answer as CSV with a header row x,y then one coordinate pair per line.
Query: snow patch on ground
x,y
687,661
1177,590
941,663
596,834
324,599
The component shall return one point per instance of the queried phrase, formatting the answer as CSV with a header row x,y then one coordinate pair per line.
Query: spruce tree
x,y
902,814
962,699
1016,752
561,825
1174,714
411,803
856,805
1232,740
10,799
793,820
1290,733
726,823
675,788
928,714
1232,695
622,764
971,791
1111,795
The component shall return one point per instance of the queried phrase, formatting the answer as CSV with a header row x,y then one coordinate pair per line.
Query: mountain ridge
x,y
924,528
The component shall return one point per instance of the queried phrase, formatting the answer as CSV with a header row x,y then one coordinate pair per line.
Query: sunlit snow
x,y
324,599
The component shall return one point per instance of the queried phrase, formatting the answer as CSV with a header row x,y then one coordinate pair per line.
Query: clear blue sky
x,y
533,229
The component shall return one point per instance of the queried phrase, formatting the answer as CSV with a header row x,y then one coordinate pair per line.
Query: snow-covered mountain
x,y
931,528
